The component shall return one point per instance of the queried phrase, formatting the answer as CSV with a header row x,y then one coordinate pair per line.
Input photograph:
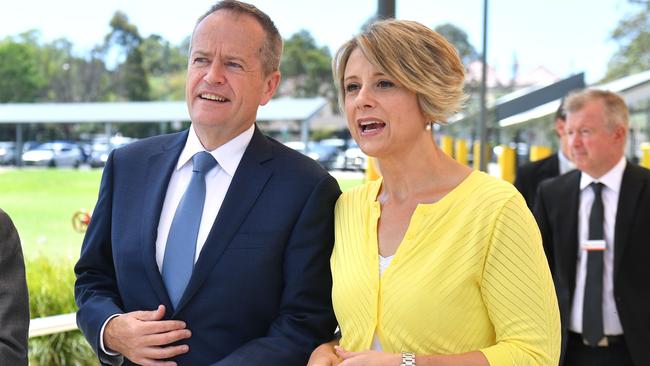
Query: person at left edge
x,y
14,297
259,292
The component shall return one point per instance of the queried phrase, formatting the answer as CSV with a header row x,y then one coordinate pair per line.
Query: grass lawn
x,y
41,203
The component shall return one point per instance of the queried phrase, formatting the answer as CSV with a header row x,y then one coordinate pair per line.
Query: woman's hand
x,y
324,355
368,358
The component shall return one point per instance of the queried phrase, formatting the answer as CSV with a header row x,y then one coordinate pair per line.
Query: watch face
x,y
408,359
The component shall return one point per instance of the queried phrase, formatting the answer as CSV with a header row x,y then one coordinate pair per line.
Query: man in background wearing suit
x,y
530,175
211,246
14,299
595,224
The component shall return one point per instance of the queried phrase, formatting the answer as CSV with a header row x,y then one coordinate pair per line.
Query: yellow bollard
x,y
539,152
447,144
462,152
645,155
372,170
477,154
507,163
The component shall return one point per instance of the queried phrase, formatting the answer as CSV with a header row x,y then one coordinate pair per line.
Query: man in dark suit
x,y
595,227
14,300
257,290
530,175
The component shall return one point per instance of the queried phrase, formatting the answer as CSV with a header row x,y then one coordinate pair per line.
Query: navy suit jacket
x,y
260,292
556,211
530,175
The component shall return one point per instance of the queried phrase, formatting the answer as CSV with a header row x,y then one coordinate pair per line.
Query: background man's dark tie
x,y
592,314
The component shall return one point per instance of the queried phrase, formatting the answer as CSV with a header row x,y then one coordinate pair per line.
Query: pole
x,y
483,115
385,9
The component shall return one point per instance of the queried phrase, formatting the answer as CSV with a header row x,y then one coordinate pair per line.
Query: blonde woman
x,y
434,264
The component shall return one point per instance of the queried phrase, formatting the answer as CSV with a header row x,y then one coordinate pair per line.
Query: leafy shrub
x,y
51,292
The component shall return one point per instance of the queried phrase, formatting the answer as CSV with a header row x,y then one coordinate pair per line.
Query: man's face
x,y
595,146
225,78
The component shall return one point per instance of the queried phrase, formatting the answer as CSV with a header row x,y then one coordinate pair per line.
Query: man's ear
x,y
270,86
620,132
559,127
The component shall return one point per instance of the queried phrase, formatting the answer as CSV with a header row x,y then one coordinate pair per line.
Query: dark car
x,y
100,150
7,153
325,154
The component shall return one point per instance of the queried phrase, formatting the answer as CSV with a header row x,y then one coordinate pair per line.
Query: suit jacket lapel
x,y
247,183
567,218
159,170
630,192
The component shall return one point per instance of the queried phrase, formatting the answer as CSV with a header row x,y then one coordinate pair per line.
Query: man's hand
x,y
324,355
142,337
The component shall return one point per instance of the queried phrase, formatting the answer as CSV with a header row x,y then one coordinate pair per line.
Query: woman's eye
x,y
200,60
385,84
351,88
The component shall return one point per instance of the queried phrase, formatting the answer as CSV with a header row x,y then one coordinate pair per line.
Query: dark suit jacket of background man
x,y
260,289
14,300
556,212
530,175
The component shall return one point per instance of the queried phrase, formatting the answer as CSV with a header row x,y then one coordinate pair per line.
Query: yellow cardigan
x,y
470,274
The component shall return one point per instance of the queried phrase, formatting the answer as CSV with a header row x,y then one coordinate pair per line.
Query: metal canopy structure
x,y
280,109
300,110
633,89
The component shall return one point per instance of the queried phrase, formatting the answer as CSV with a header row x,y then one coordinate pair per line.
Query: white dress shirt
x,y
564,164
217,182
610,193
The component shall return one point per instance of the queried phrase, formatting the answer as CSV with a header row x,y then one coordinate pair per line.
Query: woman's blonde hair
x,y
417,57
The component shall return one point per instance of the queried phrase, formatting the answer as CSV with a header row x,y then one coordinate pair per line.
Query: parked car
x,y
355,159
325,154
100,150
54,154
7,153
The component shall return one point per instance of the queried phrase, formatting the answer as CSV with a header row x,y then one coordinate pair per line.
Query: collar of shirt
x,y
612,179
227,155
565,164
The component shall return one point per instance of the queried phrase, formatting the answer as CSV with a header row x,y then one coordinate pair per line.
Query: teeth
x,y
213,97
366,123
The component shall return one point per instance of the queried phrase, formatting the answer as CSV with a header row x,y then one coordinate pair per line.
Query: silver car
x,y
54,154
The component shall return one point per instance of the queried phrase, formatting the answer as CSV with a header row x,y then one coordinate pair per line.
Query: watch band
x,y
408,359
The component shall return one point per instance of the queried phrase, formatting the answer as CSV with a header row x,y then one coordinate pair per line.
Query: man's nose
x,y
215,74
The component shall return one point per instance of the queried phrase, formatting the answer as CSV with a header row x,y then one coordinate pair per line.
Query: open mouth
x,y
213,97
371,126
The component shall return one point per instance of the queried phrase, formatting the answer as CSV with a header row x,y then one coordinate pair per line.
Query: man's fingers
x,y
151,315
151,362
161,353
162,339
161,326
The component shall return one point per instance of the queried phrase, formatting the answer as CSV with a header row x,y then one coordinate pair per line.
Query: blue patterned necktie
x,y
180,249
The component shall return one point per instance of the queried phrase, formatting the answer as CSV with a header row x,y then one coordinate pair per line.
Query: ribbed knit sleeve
x,y
469,274
518,292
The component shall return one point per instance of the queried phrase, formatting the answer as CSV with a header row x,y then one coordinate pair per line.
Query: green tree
x,y
633,37
130,77
306,68
459,39
20,77
166,66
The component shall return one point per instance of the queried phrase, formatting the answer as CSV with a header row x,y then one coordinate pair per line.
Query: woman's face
x,y
383,116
